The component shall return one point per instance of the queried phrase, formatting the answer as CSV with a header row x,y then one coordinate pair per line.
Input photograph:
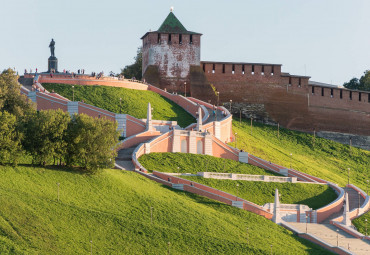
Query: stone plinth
x,y
52,64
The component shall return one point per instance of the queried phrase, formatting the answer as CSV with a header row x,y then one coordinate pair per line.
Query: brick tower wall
x,y
172,57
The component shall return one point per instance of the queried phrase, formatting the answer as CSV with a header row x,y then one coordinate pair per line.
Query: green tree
x,y
134,70
91,143
359,84
10,140
45,135
11,99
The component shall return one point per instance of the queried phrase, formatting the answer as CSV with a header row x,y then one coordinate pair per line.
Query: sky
x,y
326,39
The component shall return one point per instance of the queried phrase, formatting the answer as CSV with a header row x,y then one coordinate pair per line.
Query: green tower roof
x,y
172,25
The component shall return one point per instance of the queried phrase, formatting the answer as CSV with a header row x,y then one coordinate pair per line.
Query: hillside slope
x,y
134,102
112,209
319,157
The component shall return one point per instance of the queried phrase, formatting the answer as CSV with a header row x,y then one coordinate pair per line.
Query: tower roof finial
x,y
171,9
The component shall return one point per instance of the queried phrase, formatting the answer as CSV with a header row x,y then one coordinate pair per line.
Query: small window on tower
x,y
204,67
359,96
290,80
322,91
313,90
341,94
213,68
272,70
223,68
233,70
368,98
191,39
243,69
180,38
159,38
252,69
299,82
169,38
263,70
331,92
350,95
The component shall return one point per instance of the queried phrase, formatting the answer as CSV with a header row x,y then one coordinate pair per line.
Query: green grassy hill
x,y
324,158
134,102
315,196
112,209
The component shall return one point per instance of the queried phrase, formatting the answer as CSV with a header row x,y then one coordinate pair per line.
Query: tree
x,y
91,142
10,139
134,70
359,84
11,99
45,135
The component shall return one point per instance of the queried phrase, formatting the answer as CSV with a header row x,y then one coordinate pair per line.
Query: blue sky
x,y
325,39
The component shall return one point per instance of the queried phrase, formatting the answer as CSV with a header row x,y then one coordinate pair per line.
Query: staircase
x,y
124,159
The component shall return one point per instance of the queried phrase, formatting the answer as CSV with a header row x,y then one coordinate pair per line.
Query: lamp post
x,y
120,105
306,223
73,93
366,227
338,237
291,160
348,174
91,246
185,88
251,124
271,248
169,245
236,140
231,101
218,101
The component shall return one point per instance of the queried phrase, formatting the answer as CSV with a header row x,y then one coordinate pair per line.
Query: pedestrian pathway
x,y
329,234
355,201
124,159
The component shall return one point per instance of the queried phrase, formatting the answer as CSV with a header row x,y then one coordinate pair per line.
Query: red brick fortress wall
x,y
288,99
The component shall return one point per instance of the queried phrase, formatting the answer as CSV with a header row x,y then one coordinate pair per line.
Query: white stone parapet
x,y
247,177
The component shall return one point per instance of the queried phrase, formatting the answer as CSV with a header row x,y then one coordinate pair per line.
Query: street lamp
x,y
306,223
169,244
271,248
73,93
235,140
231,101
218,101
91,246
348,174
291,160
337,237
185,88
366,227
240,116
120,105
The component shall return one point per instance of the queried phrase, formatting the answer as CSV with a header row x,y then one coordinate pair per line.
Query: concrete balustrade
x,y
246,177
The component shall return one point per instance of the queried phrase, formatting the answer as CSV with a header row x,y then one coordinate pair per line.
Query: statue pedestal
x,y
53,65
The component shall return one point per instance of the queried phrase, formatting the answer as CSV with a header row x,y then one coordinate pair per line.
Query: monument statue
x,y
52,61
52,47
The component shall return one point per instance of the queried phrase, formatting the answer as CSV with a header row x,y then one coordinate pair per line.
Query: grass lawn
x,y
315,196
193,163
112,209
134,102
324,158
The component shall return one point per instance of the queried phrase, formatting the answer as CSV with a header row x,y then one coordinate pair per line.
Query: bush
x,y
10,145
